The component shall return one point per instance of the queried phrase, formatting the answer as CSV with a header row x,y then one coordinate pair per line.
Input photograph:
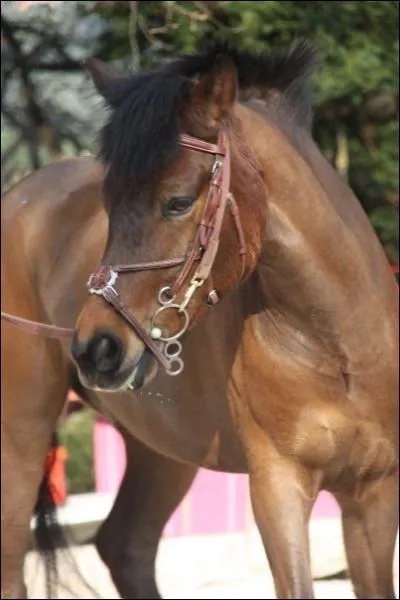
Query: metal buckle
x,y
98,283
216,168
194,284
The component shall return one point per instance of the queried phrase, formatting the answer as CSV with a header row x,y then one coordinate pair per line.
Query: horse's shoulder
x,y
51,186
80,167
73,170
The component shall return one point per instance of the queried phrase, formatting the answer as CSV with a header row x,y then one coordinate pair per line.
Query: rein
x,y
202,254
50,331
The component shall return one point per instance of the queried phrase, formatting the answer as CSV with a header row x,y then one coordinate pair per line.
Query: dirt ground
x,y
199,567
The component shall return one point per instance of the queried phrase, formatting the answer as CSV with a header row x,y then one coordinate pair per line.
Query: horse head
x,y
187,216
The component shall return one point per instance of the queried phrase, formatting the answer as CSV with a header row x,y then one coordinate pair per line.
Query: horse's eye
x,y
176,206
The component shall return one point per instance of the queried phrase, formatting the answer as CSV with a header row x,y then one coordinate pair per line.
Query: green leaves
x,y
356,86
386,223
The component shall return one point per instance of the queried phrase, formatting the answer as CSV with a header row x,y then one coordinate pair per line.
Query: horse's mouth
x,y
141,370
126,380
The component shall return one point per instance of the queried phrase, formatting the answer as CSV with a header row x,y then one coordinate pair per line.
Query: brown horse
x,y
243,318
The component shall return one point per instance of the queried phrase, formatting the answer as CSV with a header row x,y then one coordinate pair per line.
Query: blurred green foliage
x,y
356,86
76,435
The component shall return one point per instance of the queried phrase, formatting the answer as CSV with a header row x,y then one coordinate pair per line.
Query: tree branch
x,y
7,154
29,89
66,65
133,28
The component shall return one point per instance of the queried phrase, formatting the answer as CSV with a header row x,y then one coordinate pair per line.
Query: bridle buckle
x,y
103,280
195,283
216,168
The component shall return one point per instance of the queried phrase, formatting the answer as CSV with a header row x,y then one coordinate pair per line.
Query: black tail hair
x,y
50,536
48,533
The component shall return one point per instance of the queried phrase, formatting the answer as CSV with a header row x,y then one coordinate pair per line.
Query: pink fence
x,y
217,502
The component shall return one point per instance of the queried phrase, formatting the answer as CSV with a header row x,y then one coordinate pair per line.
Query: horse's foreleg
x,y
128,540
282,496
370,525
34,387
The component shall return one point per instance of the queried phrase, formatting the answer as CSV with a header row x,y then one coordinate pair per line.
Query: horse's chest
x,y
310,417
178,423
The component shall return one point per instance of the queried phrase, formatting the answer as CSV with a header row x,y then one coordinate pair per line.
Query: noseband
x,y
203,252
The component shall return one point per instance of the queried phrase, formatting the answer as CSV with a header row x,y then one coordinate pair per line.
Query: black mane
x,y
142,132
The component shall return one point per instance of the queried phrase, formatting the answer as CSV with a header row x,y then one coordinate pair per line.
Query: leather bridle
x,y
200,258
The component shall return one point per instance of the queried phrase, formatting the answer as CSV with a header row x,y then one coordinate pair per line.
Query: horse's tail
x,y
50,535
48,532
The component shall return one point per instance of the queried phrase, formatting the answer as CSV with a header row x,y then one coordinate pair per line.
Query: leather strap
x,y
239,229
219,187
220,183
37,328
124,311
196,144
150,266
183,274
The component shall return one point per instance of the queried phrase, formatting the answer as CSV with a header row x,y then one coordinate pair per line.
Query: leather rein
x,y
200,256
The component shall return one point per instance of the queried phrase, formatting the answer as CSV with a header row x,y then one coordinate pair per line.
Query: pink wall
x,y
217,502
109,456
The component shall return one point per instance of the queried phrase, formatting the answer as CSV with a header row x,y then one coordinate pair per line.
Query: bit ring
x,y
182,313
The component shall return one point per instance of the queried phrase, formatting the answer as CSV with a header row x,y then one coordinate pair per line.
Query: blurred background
x,y
49,109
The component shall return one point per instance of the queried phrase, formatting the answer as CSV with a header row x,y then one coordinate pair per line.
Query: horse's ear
x,y
213,94
102,77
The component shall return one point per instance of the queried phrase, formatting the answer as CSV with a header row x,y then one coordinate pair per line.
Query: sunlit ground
x,y
207,567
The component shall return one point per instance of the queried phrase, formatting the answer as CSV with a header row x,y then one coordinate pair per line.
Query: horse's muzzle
x,y
102,363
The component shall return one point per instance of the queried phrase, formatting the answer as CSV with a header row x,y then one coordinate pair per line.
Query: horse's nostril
x,y
103,349
78,348
105,352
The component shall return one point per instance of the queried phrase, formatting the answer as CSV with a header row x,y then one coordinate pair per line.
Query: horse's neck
x,y
313,274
